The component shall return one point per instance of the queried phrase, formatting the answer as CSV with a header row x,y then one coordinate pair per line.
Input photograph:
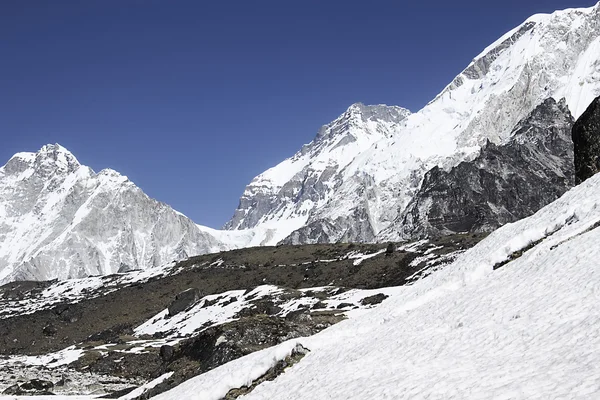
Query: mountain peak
x,y
55,156
376,111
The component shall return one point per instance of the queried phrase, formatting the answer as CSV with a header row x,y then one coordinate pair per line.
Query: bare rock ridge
x,y
586,139
502,184
314,171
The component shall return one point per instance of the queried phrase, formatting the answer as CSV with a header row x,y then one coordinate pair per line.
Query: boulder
x,y
184,300
372,300
166,352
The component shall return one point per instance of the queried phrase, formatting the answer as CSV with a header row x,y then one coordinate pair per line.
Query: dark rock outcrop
x,y
373,300
586,141
502,184
184,300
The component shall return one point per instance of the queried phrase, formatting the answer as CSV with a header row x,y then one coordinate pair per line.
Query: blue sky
x,y
191,99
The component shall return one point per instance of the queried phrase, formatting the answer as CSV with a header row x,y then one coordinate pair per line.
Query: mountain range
x,y
376,173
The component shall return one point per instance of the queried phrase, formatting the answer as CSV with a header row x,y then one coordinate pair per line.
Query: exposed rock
x,y
297,354
586,139
49,330
184,300
375,299
66,313
30,388
503,184
166,352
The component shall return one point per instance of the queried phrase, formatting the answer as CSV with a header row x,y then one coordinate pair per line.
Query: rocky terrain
x,y
107,333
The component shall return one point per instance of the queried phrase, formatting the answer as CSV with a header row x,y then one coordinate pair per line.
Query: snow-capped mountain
x,y
285,197
362,170
60,219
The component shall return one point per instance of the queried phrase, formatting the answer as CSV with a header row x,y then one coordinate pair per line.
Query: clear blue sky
x,y
192,99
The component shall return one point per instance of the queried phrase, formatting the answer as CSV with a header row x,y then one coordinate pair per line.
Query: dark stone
x,y
375,299
111,335
67,313
166,352
184,300
344,305
586,141
391,247
49,330
502,184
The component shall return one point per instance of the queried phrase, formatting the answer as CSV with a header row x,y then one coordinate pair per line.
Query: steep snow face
x,y
282,199
525,330
59,219
355,186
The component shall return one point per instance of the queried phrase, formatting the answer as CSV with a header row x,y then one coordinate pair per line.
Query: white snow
x,y
529,330
215,384
218,309
142,389
50,360
359,257
53,397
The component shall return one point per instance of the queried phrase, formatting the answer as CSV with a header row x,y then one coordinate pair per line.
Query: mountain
x,y
59,219
503,184
283,198
356,178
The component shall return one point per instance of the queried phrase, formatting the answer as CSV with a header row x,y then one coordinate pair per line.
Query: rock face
x,y
502,184
60,219
358,175
586,139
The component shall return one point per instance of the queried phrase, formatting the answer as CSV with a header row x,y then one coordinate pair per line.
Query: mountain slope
x,y
283,197
551,55
59,219
514,317
502,184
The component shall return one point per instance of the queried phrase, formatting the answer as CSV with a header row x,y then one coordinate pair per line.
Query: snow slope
x,y
527,330
60,219
374,157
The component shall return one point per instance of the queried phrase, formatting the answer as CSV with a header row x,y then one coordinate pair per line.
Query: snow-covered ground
x,y
528,330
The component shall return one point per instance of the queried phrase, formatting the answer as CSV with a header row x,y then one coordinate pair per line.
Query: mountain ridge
x,y
60,219
548,55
